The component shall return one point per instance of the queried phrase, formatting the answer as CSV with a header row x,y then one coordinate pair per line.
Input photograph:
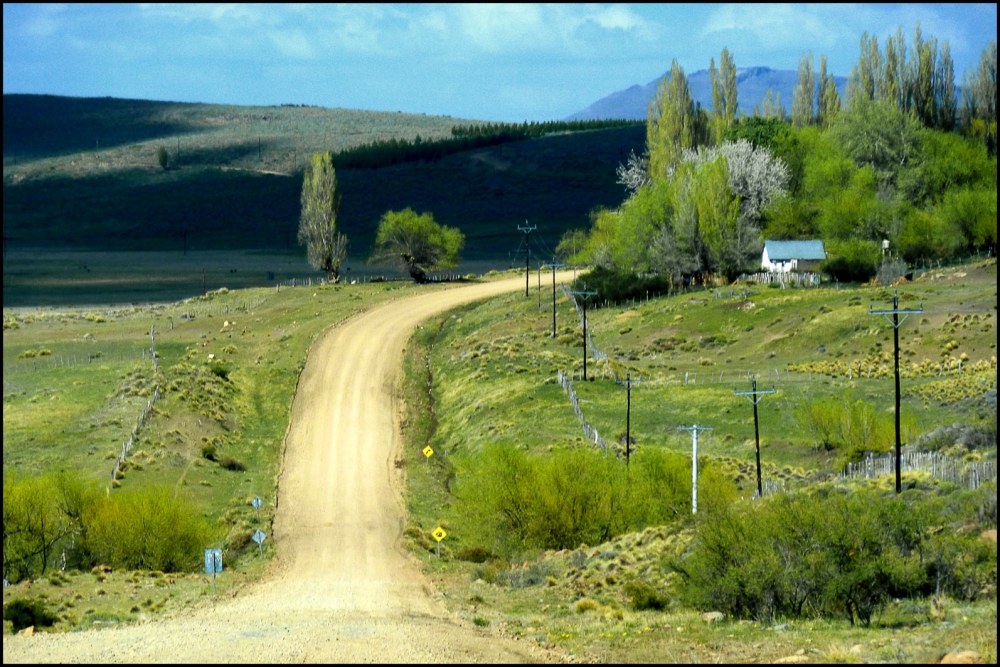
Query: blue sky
x,y
490,62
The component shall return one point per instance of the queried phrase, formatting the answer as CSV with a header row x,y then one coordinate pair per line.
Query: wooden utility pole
x,y
586,295
526,230
895,322
753,395
553,265
628,382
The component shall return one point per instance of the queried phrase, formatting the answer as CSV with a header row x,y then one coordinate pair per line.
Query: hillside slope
x,y
234,176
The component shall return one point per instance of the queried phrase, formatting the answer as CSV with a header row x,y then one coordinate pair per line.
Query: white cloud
x,y
779,26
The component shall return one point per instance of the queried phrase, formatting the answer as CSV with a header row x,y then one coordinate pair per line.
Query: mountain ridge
x,y
751,85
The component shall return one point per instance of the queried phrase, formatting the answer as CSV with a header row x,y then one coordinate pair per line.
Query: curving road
x,y
343,588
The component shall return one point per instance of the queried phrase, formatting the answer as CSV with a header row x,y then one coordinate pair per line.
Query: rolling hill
x,y
81,173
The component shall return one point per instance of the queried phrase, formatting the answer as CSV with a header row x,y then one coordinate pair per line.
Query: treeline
x,y
387,152
897,161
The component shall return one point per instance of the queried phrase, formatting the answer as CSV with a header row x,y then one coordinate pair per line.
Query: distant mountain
x,y
751,85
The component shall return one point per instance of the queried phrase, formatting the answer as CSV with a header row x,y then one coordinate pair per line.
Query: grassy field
x,y
82,173
484,375
75,381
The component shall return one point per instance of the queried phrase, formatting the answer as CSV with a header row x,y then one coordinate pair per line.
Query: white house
x,y
785,256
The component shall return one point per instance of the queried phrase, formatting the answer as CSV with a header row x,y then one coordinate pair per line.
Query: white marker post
x,y
213,564
694,462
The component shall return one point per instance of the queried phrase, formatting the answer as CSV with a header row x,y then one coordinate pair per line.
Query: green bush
x,y
833,554
618,286
229,463
579,496
26,612
853,260
474,554
643,596
145,529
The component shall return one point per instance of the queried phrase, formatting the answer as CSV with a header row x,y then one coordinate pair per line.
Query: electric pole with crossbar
x,y
586,295
895,322
553,265
694,462
753,396
526,230
628,382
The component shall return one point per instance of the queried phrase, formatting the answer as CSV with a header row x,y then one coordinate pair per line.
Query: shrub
x,y
229,463
837,555
584,605
480,621
475,554
208,451
852,261
145,529
620,286
643,596
26,612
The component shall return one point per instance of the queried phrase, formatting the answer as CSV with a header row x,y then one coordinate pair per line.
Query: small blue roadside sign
x,y
213,561
258,537
256,502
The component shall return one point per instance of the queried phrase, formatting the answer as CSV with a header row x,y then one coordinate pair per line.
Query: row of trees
x,y
415,242
711,187
387,152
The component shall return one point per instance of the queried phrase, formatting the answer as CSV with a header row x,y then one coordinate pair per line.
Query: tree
x,y
326,247
570,245
634,173
771,107
671,120
416,243
162,157
979,99
879,134
944,90
804,93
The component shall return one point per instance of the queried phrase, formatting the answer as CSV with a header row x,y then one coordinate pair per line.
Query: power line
x,y
586,295
553,265
628,382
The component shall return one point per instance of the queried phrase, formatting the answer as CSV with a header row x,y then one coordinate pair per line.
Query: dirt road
x,y
342,588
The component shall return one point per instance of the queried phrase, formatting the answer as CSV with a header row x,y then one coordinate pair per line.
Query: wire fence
x,y
139,423
589,431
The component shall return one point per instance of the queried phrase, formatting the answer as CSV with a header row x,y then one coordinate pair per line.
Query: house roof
x,y
785,250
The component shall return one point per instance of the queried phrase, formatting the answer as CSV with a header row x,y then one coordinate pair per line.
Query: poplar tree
x,y
326,247
944,90
802,97
727,72
670,126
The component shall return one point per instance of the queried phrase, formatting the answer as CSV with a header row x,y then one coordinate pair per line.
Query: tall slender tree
x,y
727,72
944,90
326,247
802,97
671,121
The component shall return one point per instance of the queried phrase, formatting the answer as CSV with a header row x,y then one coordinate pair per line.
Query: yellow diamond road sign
x,y
428,451
439,534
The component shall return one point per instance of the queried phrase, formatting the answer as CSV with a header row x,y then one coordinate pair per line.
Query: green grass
x,y
484,374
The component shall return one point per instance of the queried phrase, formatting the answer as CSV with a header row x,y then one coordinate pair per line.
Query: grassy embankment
x,y
490,369
214,439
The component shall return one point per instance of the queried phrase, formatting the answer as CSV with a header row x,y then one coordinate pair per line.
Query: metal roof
x,y
785,250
